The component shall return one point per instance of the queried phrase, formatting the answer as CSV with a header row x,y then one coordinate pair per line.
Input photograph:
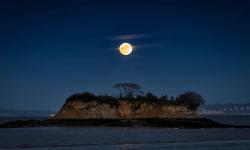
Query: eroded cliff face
x,y
123,110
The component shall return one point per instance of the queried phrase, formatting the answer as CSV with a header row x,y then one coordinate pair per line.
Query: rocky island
x,y
92,107
86,109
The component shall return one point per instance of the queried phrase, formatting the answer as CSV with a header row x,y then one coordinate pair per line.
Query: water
x,y
10,119
230,119
108,138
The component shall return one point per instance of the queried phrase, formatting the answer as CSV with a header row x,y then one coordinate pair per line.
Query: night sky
x,y
51,49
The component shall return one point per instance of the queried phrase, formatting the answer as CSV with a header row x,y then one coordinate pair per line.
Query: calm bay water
x,y
230,119
126,138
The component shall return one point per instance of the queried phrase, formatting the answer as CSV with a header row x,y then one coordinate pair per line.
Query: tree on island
x,y
151,96
190,99
132,91
163,98
128,90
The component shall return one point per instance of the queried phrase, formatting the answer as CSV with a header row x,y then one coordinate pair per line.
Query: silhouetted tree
x,y
151,96
190,99
172,98
163,98
86,96
128,89
140,97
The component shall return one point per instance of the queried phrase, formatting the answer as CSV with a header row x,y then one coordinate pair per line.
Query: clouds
x,y
132,36
140,40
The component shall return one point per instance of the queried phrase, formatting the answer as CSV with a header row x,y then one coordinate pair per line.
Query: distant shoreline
x,y
182,123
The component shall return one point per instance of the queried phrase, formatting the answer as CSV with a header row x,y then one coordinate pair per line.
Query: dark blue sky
x,y
52,49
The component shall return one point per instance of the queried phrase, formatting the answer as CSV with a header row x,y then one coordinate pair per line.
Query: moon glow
x,y
125,48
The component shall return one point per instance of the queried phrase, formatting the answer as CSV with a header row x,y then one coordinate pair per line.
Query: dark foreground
x,y
150,122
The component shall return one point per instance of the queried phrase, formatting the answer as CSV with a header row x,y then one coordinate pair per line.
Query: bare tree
x,y
128,89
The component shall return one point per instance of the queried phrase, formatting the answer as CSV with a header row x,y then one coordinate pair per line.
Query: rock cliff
x,y
123,109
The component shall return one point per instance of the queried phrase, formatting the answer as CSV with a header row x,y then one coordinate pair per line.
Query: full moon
x,y
125,48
